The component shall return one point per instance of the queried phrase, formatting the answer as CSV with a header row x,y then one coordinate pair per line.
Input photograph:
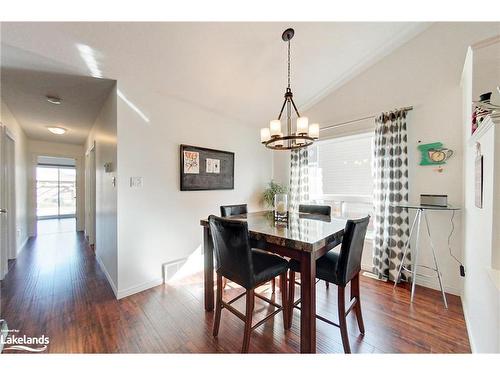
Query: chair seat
x,y
267,266
325,266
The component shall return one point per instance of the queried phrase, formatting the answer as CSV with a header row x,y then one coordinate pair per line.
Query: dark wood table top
x,y
303,232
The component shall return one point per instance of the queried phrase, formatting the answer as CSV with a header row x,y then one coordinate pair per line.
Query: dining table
x,y
304,237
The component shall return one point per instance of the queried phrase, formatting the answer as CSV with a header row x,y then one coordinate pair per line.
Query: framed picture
x,y
206,169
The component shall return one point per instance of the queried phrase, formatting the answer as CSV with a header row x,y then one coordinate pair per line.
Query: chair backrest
x,y
315,209
349,263
231,210
233,254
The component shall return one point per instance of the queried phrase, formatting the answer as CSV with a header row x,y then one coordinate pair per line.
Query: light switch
x,y
136,182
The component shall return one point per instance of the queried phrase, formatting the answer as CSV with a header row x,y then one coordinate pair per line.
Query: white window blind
x,y
342,166
340,175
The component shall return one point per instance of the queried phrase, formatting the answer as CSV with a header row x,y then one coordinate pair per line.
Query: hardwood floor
x,y
56,288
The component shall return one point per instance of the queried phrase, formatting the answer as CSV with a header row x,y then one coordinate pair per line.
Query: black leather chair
x,y
234,209
339,268
315,209
238,262
239,209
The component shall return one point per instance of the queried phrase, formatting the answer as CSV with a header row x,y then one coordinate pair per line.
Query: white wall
x,y
37,148
424,73
159,223
480,298
21,161
481,295
103,133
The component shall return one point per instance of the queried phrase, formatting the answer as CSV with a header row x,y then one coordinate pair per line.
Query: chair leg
x,y
284,299
273,285
357,307
248,320
342,320
218,305
291,297
327,284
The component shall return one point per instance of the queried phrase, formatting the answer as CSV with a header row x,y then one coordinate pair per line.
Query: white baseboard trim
x,y
434,284
139,288
468,326
108,277
423,282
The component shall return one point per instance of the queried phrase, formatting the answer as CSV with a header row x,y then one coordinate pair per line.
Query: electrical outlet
x,y
462,270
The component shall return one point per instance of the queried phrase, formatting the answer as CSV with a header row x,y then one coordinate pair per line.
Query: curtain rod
x,y
340,124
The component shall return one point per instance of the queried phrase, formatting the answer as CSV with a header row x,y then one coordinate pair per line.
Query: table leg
x,y
308,303
415,258
208,251
435,260
398,276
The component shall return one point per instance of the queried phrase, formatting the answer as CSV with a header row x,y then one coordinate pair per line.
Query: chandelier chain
x,y
288,64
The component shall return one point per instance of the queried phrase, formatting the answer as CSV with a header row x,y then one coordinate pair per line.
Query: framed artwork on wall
x,y
206,169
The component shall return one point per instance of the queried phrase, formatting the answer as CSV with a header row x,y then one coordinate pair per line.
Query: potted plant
x,y
273,189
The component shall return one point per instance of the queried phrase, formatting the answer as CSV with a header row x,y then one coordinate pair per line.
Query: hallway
x,y
56,288
53,226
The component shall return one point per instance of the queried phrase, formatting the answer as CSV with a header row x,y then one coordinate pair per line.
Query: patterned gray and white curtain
x,y
299,178
390,168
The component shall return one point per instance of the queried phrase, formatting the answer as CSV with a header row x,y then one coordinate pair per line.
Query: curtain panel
x,y
299,178
390,168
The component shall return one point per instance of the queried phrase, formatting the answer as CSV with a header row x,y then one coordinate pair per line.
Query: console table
x,y
421,211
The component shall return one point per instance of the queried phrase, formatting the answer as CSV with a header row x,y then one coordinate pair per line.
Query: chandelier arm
x,y
294,107
282,108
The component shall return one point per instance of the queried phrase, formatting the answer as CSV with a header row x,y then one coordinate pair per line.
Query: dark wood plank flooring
x,y
56,288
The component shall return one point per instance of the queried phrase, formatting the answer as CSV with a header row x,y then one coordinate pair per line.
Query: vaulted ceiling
x,y
237,70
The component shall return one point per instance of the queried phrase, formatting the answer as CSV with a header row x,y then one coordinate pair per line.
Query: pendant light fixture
x,y
304,134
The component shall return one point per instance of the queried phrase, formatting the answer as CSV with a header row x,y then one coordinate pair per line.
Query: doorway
x,y
55,194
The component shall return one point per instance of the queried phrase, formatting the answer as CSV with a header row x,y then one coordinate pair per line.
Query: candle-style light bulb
x,y
265,135
275,127
302,125
314,131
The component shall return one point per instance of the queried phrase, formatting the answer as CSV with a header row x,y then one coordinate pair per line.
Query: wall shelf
x,y
487,123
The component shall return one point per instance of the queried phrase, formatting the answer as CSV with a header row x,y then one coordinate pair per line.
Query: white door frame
x,y
80,189
90,194
8,240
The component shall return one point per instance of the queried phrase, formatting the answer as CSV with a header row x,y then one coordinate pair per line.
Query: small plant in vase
x,y
276,190
273,189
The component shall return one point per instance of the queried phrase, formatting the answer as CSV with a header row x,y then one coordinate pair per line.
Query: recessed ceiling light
x,y
54,99
57,130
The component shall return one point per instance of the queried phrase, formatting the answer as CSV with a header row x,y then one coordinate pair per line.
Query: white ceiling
x,y
237,70
25,92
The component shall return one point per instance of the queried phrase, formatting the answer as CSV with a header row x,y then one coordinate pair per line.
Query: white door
x,y
90,186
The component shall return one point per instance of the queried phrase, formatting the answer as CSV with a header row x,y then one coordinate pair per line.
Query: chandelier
x,y
304,134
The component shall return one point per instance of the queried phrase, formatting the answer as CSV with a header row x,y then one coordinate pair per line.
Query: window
x,y
340,174
56,191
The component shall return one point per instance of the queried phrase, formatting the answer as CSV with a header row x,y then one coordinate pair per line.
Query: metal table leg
x,y
407,245
415,259
435,260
